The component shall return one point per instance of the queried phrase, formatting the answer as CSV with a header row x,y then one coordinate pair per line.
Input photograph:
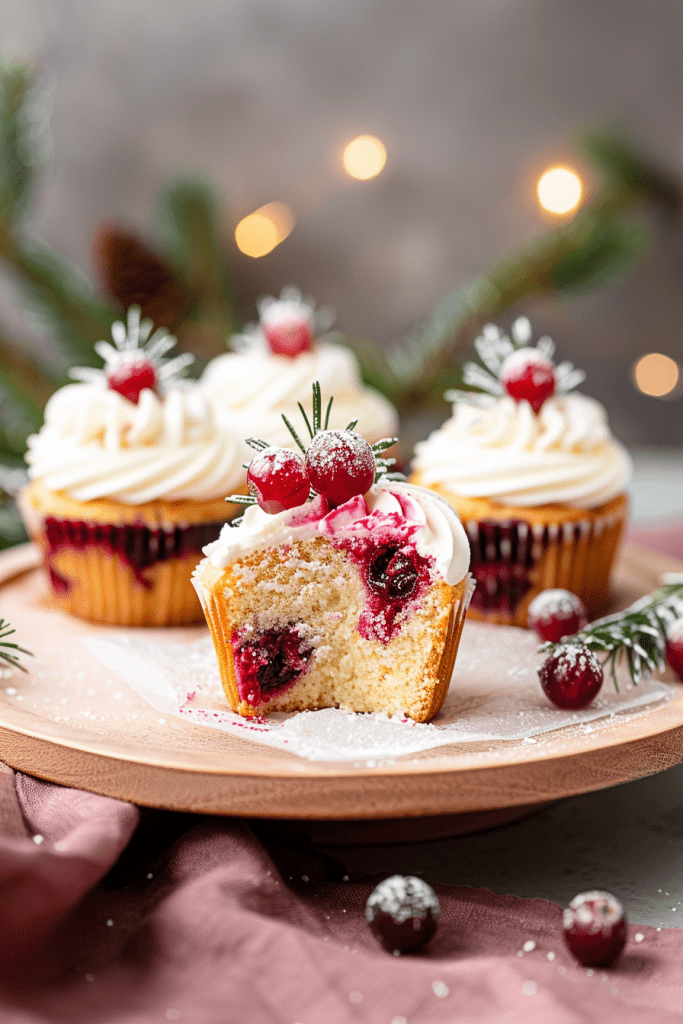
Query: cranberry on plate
x,y
674,647
594,927
556,613
571,676
402,912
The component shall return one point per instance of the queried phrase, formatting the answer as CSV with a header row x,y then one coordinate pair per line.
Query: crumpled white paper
x,y
494,695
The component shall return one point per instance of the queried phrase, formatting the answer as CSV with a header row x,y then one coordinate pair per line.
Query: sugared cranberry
x,y
278,480
402,912
289,337
340,465
674,647
571,676
392,573
595,928
131,378
556,613
527,374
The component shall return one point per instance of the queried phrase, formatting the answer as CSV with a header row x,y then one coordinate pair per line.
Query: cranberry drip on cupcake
x,y
338,488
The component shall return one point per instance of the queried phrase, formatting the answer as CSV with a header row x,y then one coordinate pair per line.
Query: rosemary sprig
x,y
636,635
6,647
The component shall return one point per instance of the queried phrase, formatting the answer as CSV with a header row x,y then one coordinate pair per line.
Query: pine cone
x,y
133,275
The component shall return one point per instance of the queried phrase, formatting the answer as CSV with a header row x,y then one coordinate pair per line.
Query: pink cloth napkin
x,y
198,922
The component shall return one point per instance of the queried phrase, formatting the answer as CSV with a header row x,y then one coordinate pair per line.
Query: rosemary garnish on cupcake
x,y
337,464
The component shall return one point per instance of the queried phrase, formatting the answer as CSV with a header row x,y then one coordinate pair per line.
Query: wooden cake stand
x,y
185,767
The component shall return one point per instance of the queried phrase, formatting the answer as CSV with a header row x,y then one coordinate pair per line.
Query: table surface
x,y
626,839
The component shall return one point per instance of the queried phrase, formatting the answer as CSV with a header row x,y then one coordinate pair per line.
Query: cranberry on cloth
x,y
110,914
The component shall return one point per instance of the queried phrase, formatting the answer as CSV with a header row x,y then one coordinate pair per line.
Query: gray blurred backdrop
x,y
473,98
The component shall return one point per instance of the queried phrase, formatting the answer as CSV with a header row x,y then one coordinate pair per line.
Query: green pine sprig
x,y
636,635
6,647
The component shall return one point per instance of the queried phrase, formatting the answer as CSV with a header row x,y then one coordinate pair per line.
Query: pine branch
x,y
76,318
601,241
636,635
16,159
6,647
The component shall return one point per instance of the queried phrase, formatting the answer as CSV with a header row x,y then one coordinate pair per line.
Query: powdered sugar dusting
x,y
495,695
554,604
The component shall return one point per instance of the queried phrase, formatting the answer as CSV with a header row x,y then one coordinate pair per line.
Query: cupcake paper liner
x,y
126,575
514,560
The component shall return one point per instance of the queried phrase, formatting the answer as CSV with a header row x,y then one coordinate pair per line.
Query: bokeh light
x,y
559,190
259,232
364,157
656,374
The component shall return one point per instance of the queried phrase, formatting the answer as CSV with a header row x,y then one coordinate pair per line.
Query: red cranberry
x,y
402,912
674,647
527,374
393,574
595,928
556,613
340,465
289,337
132,377
268,663
278,480
571,677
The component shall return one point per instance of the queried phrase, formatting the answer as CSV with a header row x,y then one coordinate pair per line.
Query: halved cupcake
x,y
128,475
339,587
535,475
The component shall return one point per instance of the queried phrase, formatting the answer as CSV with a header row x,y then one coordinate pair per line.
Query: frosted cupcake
x,y
128,477
339,587
274,365
535,475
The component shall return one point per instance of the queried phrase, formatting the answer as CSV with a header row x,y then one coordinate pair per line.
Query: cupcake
x,y
127,482
339,587
534,473
274,365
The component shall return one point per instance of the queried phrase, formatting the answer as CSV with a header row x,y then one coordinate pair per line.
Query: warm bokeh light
x,y
258,233
559,190
656,374
364,157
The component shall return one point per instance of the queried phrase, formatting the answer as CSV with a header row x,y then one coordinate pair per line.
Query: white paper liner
x,y
495,695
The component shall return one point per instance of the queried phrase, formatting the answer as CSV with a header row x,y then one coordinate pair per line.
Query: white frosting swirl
x,y
388,509
97,444
252,389
504,451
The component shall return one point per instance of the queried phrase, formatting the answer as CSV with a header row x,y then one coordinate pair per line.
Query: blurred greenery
x,y
193,287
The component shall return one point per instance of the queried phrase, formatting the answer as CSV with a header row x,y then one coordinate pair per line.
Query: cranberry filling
x,y
393,575
268,663
138,546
